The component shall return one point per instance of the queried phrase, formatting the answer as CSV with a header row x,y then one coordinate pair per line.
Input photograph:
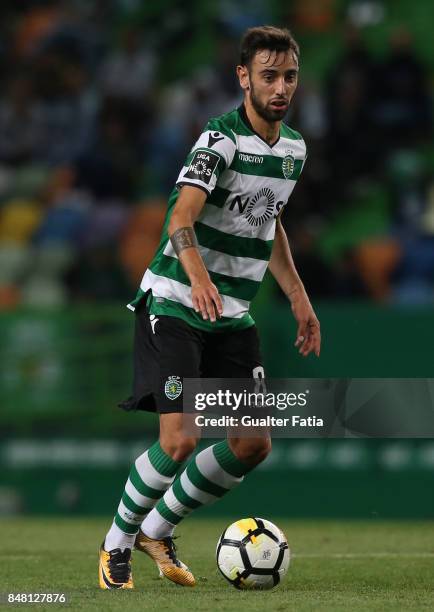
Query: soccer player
x,y
222,231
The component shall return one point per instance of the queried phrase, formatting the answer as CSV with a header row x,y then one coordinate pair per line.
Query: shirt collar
x,y
244,118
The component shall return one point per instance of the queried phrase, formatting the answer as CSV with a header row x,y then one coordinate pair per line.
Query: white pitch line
x,y
378,555
416,555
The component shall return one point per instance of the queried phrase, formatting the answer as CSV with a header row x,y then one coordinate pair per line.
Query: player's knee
x,y
251,451
178,447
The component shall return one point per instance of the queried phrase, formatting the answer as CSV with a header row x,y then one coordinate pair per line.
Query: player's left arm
x,y
283,269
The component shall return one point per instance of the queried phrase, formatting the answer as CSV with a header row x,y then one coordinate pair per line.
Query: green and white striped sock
x,y
151,475
209,475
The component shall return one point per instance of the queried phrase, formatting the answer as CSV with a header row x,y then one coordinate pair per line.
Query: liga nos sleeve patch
x,y
202,166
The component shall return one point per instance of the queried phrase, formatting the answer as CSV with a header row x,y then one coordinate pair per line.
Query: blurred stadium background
x,y
99,103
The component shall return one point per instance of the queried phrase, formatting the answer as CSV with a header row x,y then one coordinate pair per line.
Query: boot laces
x,y
120,564
171,549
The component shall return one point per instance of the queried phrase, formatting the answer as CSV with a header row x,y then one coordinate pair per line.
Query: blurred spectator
x,y
96,275
318,277
411,189
20,122
140,238
349,136
66,110
313,15
129,71
109,167
401,103
37,21
235,17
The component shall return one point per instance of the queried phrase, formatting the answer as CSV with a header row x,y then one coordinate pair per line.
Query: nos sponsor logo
x,y
258,209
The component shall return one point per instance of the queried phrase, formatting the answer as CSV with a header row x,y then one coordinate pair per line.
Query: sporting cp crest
x,y
173,387
288,164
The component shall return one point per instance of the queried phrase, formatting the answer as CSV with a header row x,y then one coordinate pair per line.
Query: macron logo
x,y
213,138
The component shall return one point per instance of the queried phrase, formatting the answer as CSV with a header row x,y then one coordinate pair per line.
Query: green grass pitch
x,y
348,566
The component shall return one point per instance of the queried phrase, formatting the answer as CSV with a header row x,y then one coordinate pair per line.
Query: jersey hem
x,y
174,309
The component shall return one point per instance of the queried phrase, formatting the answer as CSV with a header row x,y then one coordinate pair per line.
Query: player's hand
x,y
206,300
308,331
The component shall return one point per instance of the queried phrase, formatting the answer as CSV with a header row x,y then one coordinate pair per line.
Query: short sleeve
x,y
212,153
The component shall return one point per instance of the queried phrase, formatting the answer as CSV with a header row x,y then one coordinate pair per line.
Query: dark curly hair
x,y
269,38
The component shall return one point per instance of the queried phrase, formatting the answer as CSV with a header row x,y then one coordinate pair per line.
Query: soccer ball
x,y
253,553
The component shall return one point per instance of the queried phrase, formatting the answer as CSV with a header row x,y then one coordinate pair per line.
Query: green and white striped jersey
x,y
247,182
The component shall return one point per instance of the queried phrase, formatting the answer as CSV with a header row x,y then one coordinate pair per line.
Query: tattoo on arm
x,y
183,238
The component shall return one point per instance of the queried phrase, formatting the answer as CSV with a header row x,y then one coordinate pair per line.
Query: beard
x,y
268,114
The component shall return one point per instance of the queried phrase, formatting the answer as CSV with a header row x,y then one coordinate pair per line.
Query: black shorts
x,y
167,349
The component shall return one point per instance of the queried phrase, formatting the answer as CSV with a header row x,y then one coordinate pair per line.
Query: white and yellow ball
x,y
253,553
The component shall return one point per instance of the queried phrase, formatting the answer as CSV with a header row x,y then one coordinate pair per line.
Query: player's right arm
x,y
212,153
204,293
